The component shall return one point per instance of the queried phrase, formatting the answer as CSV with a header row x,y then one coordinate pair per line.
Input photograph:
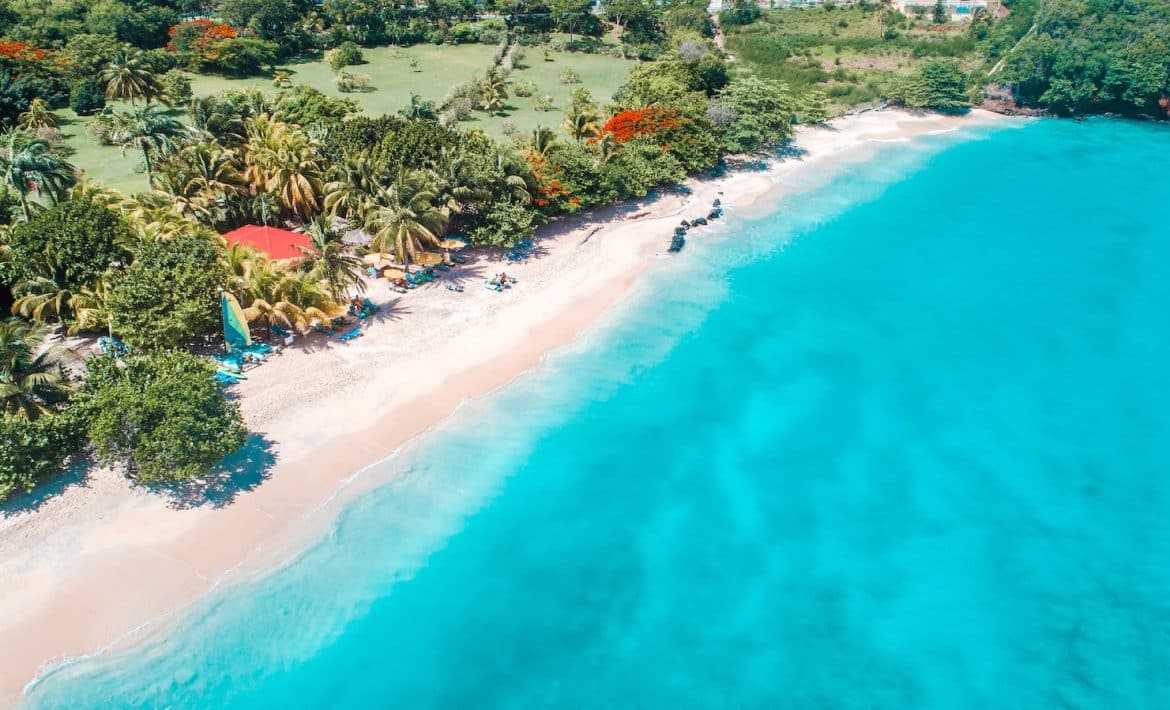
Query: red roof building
x,y
276,243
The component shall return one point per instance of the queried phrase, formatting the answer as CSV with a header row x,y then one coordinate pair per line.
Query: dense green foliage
x,y
81,237
160,415
33,450
1094,55
87,96
936,83
170,294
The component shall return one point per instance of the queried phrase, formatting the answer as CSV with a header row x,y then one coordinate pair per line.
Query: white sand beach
x,y
99,562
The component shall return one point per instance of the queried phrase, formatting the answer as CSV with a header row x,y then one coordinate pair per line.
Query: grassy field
x,y
600,74
840,50
393,80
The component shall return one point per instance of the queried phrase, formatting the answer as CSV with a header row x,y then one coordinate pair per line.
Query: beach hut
x,y
276,243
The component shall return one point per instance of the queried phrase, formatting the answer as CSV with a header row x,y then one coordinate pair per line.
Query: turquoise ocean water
x,y
904,442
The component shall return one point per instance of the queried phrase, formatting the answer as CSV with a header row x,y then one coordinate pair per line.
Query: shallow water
x,y
901,443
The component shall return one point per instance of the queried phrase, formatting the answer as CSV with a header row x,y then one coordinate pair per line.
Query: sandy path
x,y
96,559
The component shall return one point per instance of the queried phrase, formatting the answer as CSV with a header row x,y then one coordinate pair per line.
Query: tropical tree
x,y
32,380
201,177
47,296
331,262
276,296
541,141
149,130
128,76
402,217
38,116
29,164
495,92
281,159
582,121
159,414
169,295
354,179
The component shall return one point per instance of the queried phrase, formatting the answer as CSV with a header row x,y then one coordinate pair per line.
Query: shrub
x,y
569,76
160,414
937,84
85,238
742,12
242,56
176,86
86,97
464,33
101,127
524,88
347,54
170,294
461,108
348,83
32,450
543,103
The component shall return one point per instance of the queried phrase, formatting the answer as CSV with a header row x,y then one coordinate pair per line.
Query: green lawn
x,y
600,74
391,76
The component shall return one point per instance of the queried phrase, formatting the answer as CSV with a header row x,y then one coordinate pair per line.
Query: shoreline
x,y
327,411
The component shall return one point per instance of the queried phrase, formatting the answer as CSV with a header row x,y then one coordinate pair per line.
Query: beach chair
x,y
355,332
260,350
492,285
231,362
323,329
371,306
286,336
457,288
112,346
430,273
443,267
415,280
458,258
224,378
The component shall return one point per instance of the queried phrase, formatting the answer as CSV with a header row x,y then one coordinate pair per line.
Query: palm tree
x,y
148,129
32,381
331,262
514,172
45,296
128,76
281,159
495,92
280,297
542,140
201,177
38,116
402,216
582,121
354,179
218,119
29,164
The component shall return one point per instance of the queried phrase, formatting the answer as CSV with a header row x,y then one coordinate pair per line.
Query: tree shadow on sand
x,y
77,474
239,473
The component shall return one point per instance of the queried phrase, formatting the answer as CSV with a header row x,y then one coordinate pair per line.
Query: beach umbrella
x,y
235,325
393,274
377,260
428,258
455,243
